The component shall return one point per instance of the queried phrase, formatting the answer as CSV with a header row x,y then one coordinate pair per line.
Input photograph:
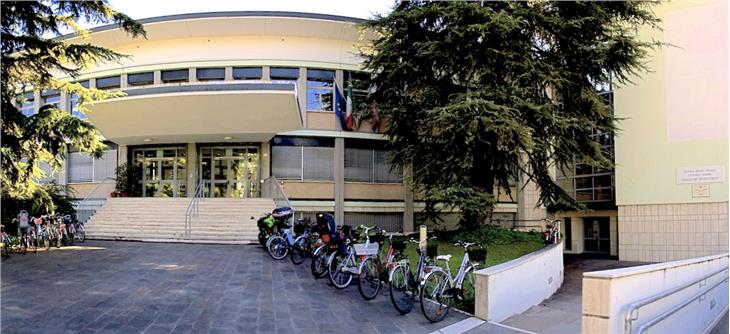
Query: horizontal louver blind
x,y
286,162
80,167
318,163
358,165
104,167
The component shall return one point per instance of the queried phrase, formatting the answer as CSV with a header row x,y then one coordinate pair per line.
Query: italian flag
x,y
349,121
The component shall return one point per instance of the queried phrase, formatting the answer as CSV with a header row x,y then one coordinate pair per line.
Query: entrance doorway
x,y
597,237
230,171
162,171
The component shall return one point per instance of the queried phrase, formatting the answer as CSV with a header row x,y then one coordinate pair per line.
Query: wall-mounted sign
x,y
701,174
700,190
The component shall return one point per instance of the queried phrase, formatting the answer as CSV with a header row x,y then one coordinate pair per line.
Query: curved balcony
x,y
208,112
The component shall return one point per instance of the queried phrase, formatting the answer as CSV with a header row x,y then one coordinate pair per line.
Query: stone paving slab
x,y
134,287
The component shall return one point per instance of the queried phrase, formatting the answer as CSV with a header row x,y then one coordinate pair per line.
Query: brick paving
x,y
133,287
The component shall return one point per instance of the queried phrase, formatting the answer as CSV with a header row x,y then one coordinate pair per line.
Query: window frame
x,y
318,76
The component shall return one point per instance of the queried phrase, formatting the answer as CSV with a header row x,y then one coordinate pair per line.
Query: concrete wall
x,y
309,189
83,190
663,232
607,296
513,287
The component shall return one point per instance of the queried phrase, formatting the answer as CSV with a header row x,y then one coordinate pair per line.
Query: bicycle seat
x,y
446,258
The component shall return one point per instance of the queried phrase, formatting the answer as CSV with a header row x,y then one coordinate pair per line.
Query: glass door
x,y
162,171
597,235
230,171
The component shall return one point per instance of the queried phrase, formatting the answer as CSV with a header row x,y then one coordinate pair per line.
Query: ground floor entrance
x,y
224,171
231,171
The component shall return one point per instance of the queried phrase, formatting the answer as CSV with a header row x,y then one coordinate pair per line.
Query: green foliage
x,y
33,58
125,179
491,235
479,93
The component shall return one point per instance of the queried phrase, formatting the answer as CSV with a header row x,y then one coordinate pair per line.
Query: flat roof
x,y
189,16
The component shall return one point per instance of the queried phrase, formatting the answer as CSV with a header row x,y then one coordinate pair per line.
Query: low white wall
x,y
608,295
513,287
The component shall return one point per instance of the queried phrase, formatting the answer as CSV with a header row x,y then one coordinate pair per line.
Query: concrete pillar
x,y
265,157
122,154
192,170
266,73
157,77
192,75
37,101
123,81
64,102
228,73
408,219
339,174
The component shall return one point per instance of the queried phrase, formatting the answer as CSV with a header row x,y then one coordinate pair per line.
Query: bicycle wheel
x,y
33,244
262,238
319,262
336,267
402,289
277,248
468,292
436,296
46,242
81,233
299,250
368,282
23,245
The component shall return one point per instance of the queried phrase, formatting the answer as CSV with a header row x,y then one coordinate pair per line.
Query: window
x,y
175,76
73,101
287,75
361,88
366,161
320,90
249,73
302,158
140,79
206,74
83,168
51,97
108,82
27,104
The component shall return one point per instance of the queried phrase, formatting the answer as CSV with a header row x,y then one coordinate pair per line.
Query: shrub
x,y
497,236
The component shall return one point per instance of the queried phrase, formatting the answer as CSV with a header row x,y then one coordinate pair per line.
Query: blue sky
x,y
139,9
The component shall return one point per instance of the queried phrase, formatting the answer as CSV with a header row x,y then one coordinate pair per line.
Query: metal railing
x,y
272,188
192,210
86,208
632,314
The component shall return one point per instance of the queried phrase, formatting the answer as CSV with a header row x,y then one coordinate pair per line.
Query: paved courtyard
x,y
131,287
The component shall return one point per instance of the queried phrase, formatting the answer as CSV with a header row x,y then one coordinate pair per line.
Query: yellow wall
x,y
309,189
677,115
379,191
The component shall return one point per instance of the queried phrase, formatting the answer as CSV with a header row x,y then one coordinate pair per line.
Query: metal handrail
x,y
192,209
676,309
632,313
88,196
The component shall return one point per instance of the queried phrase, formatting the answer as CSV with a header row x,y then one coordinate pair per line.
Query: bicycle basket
x,y
431,250
379,238
477,254
399,245
366,249
300,227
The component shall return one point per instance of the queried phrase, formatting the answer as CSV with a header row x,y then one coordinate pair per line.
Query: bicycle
x,y
5,243
330,235
440,289
552,233
404,285
76,229
376,270
42,232
342,265
306,242
279,244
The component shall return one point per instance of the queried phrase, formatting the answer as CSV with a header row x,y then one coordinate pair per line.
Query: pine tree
x,y
35,58
473,88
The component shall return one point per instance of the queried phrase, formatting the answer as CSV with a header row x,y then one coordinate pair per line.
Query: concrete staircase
x,y
219,220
